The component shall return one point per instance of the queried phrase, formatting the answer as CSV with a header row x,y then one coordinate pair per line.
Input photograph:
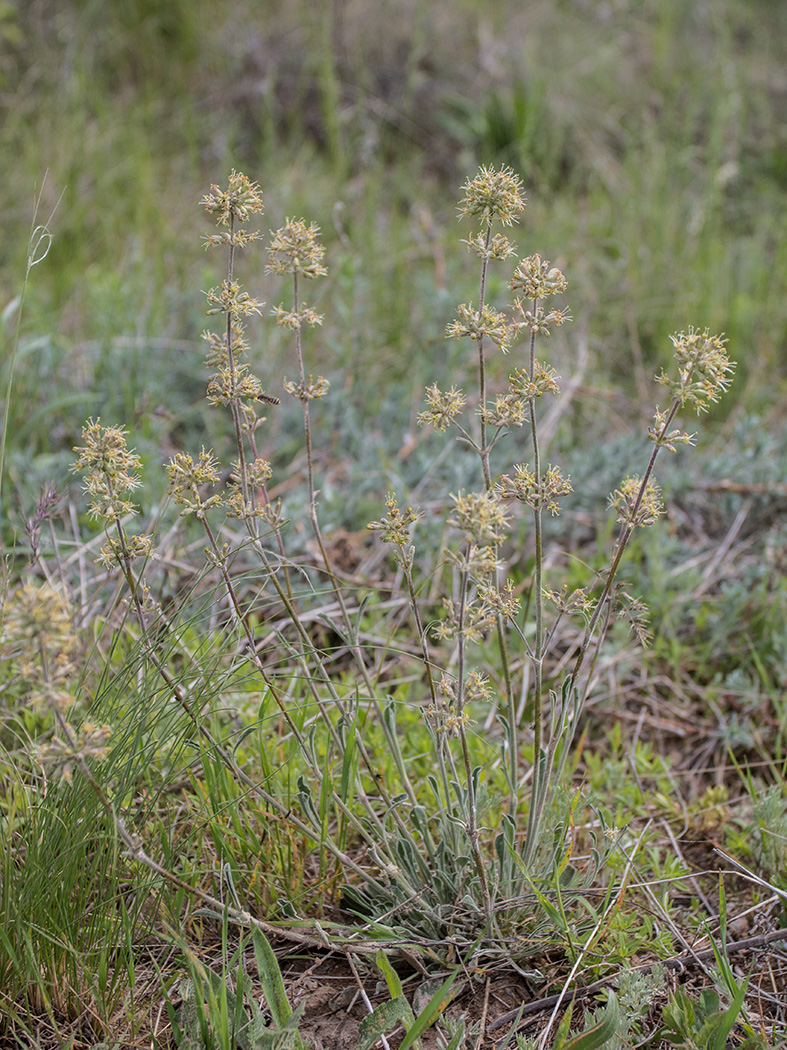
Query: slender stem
x,y
308,672
541,777
427,660
352,633
513,755
471,813
304,400
130,841
276,527
623,541
38,245
284,594
483,449
235,401
537,658
125,563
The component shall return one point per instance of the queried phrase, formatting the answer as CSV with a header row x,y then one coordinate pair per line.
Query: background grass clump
x,y
300,741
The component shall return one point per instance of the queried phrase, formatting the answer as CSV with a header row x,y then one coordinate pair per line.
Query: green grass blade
x,y
429,1014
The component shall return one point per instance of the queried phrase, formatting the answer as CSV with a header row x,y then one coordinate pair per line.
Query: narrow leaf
x,y
599,1033
391,976
271,979
429,1014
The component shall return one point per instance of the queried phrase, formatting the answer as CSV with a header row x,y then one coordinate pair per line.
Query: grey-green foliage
x,y
770,812
636,990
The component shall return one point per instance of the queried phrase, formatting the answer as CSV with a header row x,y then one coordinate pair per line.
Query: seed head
x,y
478,687
241,199
536,279
89,741
475,324
295,320
238,506
477,562
526,488
395,525
493,195
637,506
499,246
637,614
504,602
544,380
259,472
470,622
184,472
575,602
229,385
39,634
46,507
39,617
217,356
114,553
443,406
444,719
109,469
508,410
187,479
295,249
480,516
538,321
663,438
704,369
229,299
308,391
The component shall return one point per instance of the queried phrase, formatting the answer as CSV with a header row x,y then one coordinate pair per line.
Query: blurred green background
x,y
651,136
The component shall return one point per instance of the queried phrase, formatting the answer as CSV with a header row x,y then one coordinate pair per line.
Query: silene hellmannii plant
x,y
468,844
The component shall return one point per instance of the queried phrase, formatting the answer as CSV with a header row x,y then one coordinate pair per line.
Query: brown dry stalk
x,y
675,962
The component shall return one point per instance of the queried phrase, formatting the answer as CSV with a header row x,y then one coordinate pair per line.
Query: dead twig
x,y
676,962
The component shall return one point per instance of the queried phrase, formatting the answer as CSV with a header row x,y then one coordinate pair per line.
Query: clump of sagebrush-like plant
x,y
424,859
